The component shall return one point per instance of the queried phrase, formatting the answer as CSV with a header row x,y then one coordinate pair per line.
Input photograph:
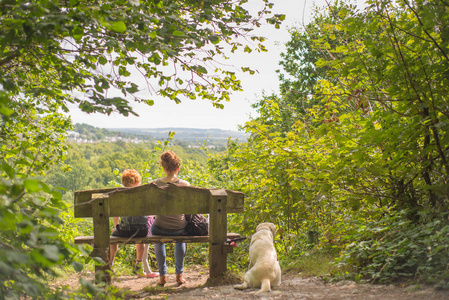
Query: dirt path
x,y
292,287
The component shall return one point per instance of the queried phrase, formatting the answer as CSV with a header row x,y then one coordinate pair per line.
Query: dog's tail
x,y
265,286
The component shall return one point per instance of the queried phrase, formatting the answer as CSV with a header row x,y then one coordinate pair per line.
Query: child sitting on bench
x,y
135,226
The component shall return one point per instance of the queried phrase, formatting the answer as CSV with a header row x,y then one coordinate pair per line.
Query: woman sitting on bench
x,y
169,224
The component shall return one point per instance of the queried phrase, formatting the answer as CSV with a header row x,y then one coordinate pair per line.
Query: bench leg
x,y
102,272
217,233
100,213
217,261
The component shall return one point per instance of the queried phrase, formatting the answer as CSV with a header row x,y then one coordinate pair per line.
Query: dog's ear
x,y
273,229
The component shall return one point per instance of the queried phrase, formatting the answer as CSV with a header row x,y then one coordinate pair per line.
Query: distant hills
x,y
185,134
84,133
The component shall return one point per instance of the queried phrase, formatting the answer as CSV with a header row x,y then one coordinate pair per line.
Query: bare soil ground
x,y
293,286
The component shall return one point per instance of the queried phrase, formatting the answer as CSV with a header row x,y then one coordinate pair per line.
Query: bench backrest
x,y
150,199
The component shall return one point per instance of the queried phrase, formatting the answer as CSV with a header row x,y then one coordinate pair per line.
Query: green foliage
x,y
350,159
196,254
312,263
394,247
358,133
60,52
57,52
197,175
98,165
383,121
31,240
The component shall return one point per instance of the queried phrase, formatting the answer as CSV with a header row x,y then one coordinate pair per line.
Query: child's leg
x,y
112,252
138,267
146,267
139,251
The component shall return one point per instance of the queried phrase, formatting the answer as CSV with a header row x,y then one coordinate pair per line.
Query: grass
x,y
312,264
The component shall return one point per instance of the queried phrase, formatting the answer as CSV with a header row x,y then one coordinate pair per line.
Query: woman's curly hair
x,y
170,161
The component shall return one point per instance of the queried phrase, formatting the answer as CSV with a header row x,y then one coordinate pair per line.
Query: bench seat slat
x,y
153,239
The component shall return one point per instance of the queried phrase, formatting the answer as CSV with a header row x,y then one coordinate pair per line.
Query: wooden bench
x,y
149,199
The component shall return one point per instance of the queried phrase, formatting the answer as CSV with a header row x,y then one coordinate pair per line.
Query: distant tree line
x,y
93,133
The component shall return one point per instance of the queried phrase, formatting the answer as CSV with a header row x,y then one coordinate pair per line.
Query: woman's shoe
x,y
162,280
179,279
152,275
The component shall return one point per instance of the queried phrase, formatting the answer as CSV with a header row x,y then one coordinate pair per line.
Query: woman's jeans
x,y
159,250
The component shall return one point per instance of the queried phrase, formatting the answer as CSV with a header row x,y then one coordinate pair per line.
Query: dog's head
x,y
267,226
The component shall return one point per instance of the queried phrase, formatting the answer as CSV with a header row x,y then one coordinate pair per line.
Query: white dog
x,y
264,270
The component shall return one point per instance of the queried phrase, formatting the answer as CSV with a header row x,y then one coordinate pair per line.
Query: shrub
x,y
396,248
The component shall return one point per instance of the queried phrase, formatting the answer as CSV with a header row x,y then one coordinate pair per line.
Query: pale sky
x,y
200,113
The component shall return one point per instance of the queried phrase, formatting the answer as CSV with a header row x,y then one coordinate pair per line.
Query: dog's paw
x,y
241,286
